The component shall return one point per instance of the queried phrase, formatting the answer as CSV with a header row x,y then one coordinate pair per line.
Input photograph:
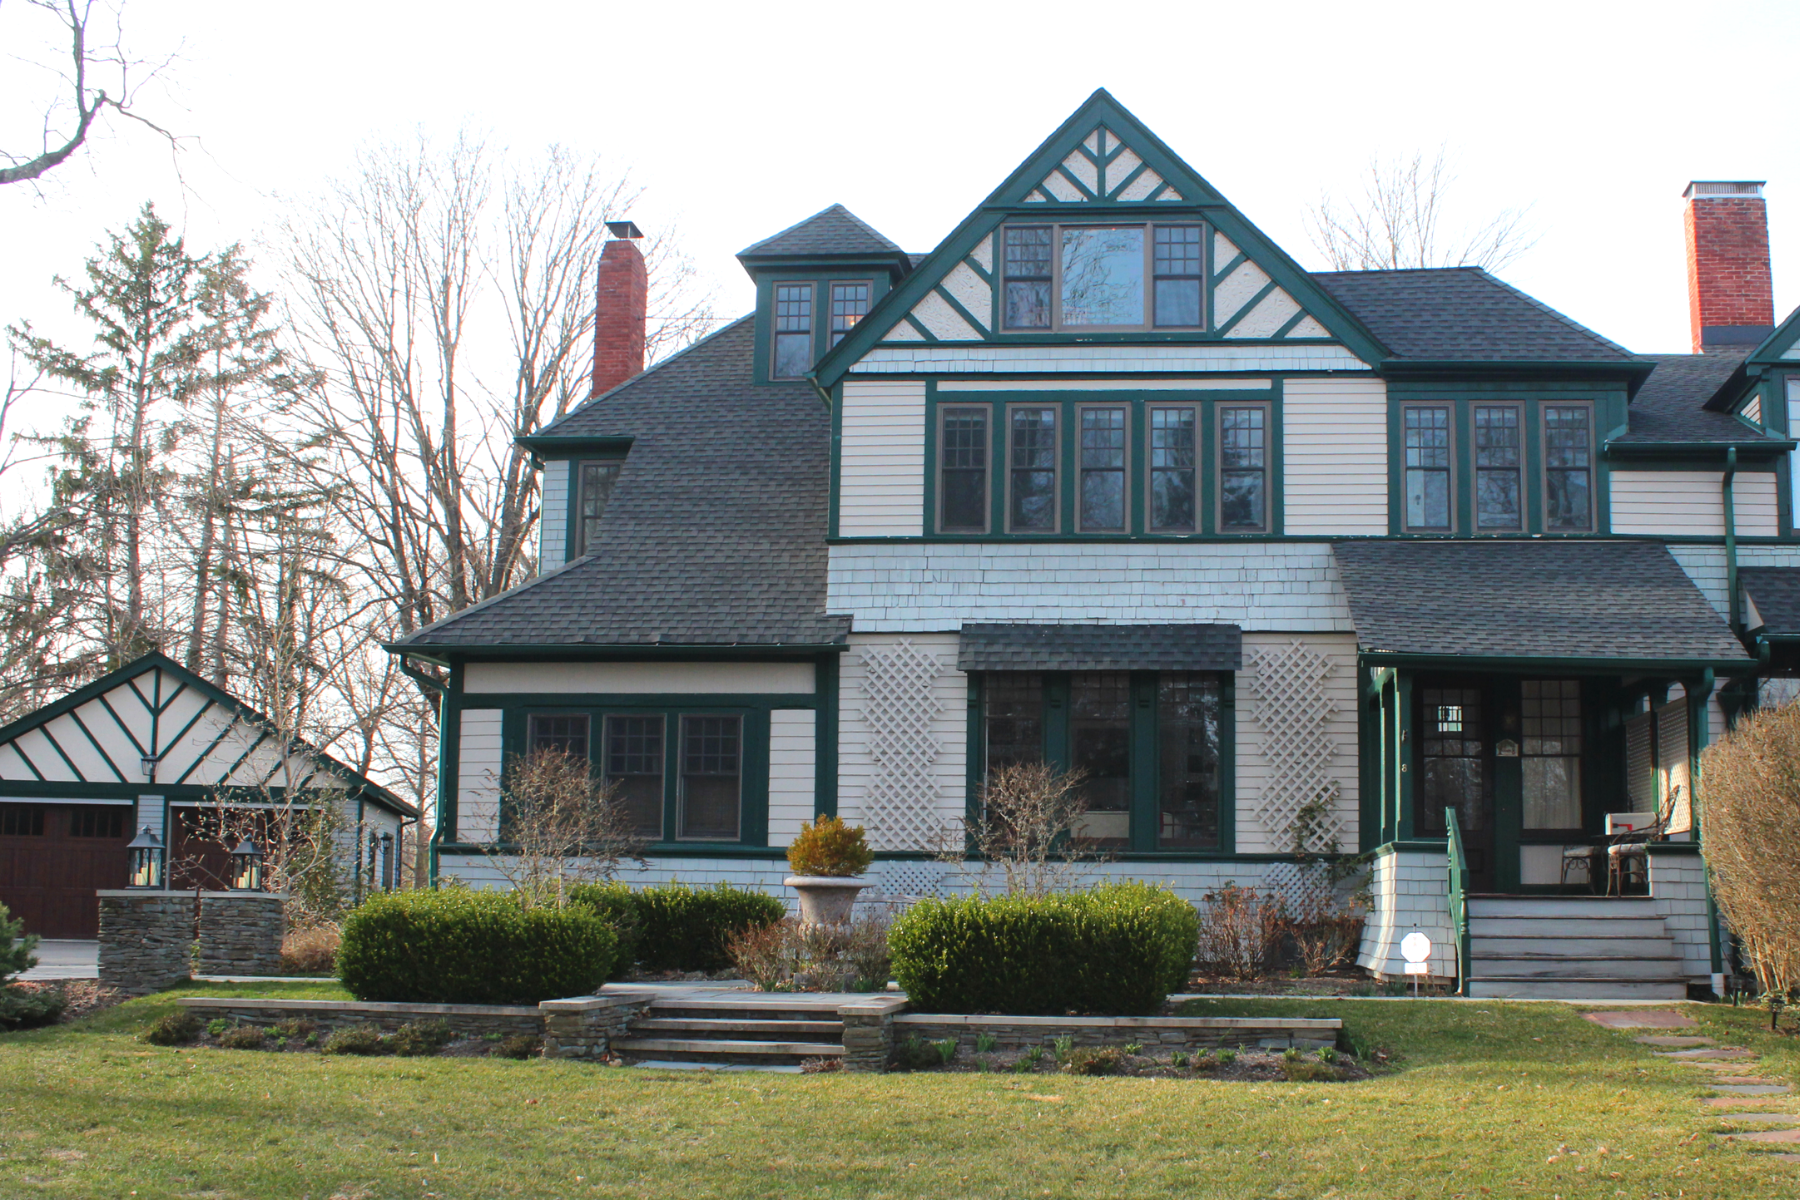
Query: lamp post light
x,y
246,867
146,860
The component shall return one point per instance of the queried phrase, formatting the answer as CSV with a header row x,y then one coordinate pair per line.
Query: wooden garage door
x,y
54,856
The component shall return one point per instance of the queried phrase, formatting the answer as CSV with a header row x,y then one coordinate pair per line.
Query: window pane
x,y
1100,748
1014,713
1427,432
21,820
963,460
1177,250
1452,759
1568,504
1178,302
1177,268
1102,276
1551,729
597,481
1033,454
849,304
1103,469
1172,460
564,733
98,821
1187,751
793,329
1242,459
710,770
793,355
1027,268
1497,461
634,761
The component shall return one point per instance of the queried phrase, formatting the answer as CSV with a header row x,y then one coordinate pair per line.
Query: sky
x,y
740,119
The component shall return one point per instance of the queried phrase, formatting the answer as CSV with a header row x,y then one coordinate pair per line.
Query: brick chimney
x,y
1731,301
624,289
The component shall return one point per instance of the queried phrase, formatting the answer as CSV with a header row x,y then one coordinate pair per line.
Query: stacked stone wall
x,y
1191,1033
585,1027
146,939
241,932
464,1020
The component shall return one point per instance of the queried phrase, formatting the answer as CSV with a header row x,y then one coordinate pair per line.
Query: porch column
x,y
1403,794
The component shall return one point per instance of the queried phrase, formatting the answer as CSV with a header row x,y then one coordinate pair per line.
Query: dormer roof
x,y
835,232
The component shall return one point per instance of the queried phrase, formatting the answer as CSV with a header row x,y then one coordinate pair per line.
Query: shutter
x,y
1672,761
1640,763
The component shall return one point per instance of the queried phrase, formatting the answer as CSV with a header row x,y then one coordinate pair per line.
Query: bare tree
x,y
562,824
1029,830
1399,221
98,74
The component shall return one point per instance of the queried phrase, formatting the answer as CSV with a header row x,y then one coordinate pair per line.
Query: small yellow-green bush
x,y
829,847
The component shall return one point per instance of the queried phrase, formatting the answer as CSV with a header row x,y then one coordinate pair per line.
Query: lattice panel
x,y
1295,711
900,806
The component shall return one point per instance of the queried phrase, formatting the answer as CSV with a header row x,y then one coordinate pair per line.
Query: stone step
x,y
1552,927
1602,907
1504,987
1667,967
725,1049
1591,946
703,1026
746,1008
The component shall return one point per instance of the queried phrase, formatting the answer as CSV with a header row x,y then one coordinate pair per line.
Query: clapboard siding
x,y
1254,764
949,729
1334,446
881,481
478,776
1692,503
792,762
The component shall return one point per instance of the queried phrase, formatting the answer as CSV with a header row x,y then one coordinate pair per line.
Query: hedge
x,y
680,928
458,946
1115,950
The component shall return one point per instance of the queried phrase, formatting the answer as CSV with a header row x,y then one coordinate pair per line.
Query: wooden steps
x,y
1571,948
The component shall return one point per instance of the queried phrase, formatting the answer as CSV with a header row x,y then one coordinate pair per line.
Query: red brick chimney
x,y
624,290
1731,301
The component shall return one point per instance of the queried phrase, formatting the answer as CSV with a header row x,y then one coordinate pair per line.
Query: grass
x,y
1479,1100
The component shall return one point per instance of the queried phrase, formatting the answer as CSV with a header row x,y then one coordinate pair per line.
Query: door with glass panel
x,y
1456,770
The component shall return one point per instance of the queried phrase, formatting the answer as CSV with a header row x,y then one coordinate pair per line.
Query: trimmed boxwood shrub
x,y
680,928
616,906
457,946
1114,950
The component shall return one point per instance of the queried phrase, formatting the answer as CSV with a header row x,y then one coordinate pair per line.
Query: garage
x,y
53,857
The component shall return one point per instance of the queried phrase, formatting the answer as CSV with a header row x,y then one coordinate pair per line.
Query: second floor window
x,y
1031,454
1427,433
1101,277
1568,468
1243,468
963,471
1174,455
1498,462
1103,441
849,304
793,330
596,485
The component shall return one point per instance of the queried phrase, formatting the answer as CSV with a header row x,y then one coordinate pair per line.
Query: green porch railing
x,y
1459,899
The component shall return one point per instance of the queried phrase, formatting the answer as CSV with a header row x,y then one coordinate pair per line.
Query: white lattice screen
x,y
1295,711
900,703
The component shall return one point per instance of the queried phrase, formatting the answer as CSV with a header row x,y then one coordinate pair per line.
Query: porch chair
x,y
1623,844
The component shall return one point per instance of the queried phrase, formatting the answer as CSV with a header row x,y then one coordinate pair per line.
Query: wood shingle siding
x,y
623,678
925,358
1692,503
1336,465
881,488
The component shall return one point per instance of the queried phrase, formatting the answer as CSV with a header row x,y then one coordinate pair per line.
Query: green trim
x,y
1631,373
449,653
176,793
1780,340
1673,849
548,446
765,701
1410,846
825,738
1696,456
837,459
1522,665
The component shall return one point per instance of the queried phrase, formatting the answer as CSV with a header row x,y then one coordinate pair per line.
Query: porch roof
x,y
1574,601
1775,596
1019,647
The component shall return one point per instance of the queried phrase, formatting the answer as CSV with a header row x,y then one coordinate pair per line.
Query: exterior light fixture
x,y
148,763
387,861
246,867
146,860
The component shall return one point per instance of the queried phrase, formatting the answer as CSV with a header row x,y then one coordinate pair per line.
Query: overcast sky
x,y
743,118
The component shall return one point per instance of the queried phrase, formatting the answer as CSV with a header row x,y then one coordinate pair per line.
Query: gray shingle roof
x,y
1668,407
715,531
1463,313
836,230
1580,600
1776,593
1017,647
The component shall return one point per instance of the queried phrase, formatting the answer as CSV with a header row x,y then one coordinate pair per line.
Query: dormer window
x,y
793,330
1103,277
849,304
595,481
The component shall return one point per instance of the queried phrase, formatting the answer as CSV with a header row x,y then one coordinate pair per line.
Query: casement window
x,y
1499,466
1550,719
1105,436
1568,468
633,764
1148,746
559,733
1243,468
1031,456
1102,277
1174,460
1426,432
849,304
793,330
594,484
963,470
99,821
709,801
21,820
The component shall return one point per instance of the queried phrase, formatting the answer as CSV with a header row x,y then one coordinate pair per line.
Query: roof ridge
x,y
1567,320
653,368
836,207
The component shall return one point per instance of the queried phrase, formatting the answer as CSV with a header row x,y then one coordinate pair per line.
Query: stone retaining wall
x,y
869,1032
584,1027
465,1020
241,932
146,939
1192,1033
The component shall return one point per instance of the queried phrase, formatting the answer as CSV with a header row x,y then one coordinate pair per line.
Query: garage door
x,y
52,859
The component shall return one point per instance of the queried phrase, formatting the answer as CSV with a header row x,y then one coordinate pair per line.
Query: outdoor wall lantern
x,y
146,860
246,867
387,861
148,763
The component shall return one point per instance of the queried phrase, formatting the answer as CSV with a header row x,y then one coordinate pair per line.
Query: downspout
x,y
1731,568
1701,724
437,826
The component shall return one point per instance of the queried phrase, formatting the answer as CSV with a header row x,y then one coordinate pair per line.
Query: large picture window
x,y
1103,277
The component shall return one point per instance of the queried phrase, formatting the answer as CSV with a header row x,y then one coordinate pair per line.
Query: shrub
x,y
1240,930
829,847
680,928
310,951
173,1029
1751,796
26,1007
294,1027
518,1045
1095,1060
355,1039
1305,1070
789,955
917,1054
242,1037
16,947
457,946
418,1039
1117,950
615,905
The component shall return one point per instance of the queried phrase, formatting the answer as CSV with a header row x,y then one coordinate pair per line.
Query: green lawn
x,y
1481,1099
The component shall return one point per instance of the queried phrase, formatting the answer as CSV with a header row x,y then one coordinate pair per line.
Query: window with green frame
x,y
1152,749
1495,467
687,774
1074,464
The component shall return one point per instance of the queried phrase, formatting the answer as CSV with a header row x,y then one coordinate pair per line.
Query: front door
x,y
1456,770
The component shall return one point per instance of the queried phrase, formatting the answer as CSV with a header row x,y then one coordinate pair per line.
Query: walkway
x,y
59,959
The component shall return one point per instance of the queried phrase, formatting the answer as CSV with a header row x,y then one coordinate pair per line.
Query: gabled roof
x,y
1774,594
1463,313
714,534
201,736
1671,406
1781,346
833,232
1584,601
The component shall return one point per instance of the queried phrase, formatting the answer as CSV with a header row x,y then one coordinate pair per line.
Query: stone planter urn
x,y
826,899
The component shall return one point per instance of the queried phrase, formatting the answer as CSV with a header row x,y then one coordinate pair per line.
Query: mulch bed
x,y
1246,1066
81,997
